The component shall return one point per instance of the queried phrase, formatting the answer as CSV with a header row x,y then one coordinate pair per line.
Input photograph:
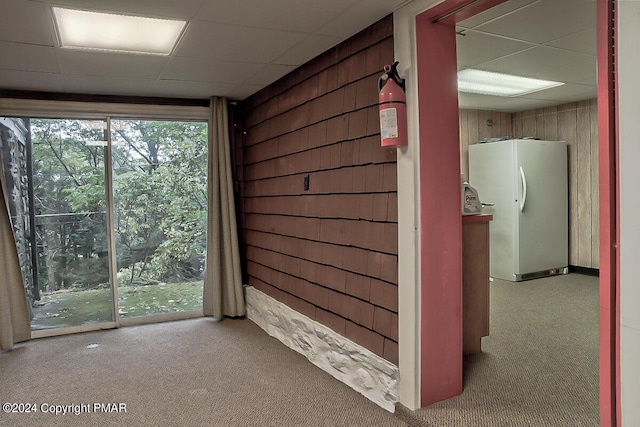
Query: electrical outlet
x,y
306,182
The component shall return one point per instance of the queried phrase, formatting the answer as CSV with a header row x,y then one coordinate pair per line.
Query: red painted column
x,y
609,353
440,219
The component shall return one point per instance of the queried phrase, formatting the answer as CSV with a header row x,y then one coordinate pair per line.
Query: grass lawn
x,y
78,307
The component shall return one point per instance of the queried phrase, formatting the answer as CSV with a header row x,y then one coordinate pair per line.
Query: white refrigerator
x,y
526,181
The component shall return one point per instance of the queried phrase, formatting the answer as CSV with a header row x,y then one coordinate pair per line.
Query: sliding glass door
x,y
56,179
109,217
160,201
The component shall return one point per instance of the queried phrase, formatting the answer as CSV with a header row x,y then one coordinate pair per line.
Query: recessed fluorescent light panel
x,y
496,84
80,29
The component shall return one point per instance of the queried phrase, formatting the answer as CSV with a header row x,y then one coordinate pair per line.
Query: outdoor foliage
x,y
159,187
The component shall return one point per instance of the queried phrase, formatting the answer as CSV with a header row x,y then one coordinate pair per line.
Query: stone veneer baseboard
x,y
364,371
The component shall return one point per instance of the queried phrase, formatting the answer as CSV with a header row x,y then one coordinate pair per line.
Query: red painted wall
x,y
440,219
609,356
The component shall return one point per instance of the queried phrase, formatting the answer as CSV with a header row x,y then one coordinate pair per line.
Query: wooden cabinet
x,y
475,281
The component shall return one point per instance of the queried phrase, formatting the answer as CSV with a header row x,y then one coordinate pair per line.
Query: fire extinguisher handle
x,y
391,72
382,80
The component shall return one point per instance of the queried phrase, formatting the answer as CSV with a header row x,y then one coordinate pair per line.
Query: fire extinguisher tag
x,y
389,123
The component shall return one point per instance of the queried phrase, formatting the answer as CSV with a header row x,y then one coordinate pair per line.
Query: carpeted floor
x,y
539,366
187,373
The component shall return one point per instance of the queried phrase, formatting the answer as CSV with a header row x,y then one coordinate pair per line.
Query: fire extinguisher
x,y
393,108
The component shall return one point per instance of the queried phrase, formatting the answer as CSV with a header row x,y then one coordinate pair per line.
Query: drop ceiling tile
x,y
501,104
25,80
592,81
359,17
540,60
475,47
108,85
184,89
583,41
235,43
241,92
545,20
269,74
28,22
568,91
307,49
28,57
179,9
286,15
78,62
500,10
209,70
258,39
574,72
580,96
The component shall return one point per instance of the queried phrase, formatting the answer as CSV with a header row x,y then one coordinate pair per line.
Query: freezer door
x,y
491,171
542,223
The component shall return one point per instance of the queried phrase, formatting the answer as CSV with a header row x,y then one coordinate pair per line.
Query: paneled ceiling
x,y
230,48
235,48
546,39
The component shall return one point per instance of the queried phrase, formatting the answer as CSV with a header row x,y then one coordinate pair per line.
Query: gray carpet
x,y
187,373
539,366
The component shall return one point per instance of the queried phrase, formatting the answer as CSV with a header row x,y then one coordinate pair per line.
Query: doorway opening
x,y
434,92
536,321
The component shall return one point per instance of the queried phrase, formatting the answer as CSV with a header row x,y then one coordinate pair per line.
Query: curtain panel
x,y
14,311
223,294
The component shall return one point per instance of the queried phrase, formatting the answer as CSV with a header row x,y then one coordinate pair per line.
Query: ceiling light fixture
x,y
80,29
497,84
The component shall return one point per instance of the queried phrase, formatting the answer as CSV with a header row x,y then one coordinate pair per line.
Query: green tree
x,y
160,191
159,184
68,177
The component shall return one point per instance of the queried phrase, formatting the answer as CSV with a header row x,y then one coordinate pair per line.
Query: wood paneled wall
x,y
329,252
476,125
577,124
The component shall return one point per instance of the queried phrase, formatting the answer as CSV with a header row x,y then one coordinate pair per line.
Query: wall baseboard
x,y
362,370
584,270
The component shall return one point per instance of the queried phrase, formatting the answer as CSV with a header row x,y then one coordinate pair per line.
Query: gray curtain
x,y
14,311
223,282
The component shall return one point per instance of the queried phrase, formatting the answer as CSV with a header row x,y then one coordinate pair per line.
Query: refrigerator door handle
x,y
523,199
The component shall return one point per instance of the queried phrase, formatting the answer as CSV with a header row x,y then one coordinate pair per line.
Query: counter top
x,y
477,218
475,281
